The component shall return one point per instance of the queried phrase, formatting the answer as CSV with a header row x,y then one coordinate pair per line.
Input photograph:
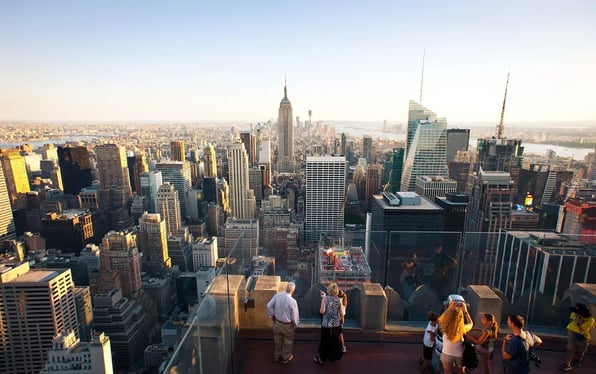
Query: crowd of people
x,y
447,340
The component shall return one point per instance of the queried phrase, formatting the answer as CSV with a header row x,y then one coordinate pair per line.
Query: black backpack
x,y
470,358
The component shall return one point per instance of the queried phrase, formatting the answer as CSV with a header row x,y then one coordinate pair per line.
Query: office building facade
x,y
325,196
242,198
152,239
36,306
426,146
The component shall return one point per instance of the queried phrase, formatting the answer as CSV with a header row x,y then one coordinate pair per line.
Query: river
x,y
529,148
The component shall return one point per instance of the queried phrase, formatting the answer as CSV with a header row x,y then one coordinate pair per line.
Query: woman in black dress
x,y
330,347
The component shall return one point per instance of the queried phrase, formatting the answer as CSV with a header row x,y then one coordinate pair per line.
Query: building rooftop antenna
x,y
422,77
501,126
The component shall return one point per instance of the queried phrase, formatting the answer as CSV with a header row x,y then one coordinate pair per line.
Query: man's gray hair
x,y
290,287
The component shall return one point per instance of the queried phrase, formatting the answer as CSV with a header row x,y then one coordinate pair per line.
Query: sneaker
x,y
289,359
277,359
565,367
318,360
577,363
344,350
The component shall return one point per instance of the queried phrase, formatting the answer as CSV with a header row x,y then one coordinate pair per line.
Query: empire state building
x,y
285,136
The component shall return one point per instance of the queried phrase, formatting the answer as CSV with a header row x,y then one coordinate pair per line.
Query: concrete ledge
x,y
373,307
483,300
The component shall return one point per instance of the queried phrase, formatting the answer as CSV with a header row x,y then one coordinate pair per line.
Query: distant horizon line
x,y
330,121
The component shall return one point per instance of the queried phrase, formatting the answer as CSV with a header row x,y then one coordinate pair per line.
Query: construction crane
x,y
501,125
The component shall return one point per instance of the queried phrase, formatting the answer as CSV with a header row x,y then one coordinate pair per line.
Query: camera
x,y
458,300
537,360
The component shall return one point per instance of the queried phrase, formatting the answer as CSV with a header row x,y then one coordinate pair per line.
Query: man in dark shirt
x,y
515,349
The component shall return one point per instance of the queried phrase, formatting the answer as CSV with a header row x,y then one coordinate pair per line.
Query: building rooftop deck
x,y
373,352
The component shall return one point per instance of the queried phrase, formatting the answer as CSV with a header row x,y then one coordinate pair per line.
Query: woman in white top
x,y
454,322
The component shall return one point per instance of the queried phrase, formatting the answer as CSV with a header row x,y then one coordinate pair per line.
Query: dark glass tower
x,y
75,167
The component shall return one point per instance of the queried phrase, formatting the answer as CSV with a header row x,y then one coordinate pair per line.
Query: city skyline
x,y
151,61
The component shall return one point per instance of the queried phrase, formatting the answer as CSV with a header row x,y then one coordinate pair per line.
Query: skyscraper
x,y
325,196
396,170
120,256
150,183
489,213
367,148
242,198
153,242
113,174
210,161
285,135
137,164
7,228
501,155
36,306
425,146
250,145
75,167
373,184
178,152
168,206
15,175
178,174
457,140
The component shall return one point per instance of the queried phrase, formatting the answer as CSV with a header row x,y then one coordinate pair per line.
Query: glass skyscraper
x,y
426,146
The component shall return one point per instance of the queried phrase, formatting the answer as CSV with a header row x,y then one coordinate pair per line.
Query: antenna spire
x,y
285,87
501,126
422,77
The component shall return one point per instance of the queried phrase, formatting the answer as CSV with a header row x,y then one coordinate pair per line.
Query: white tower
x,y
325,196
242,198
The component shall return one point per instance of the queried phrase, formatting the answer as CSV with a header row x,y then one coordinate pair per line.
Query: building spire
x,y
285,87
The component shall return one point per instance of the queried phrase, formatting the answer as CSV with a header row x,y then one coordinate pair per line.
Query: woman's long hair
x,y
452,324
493,325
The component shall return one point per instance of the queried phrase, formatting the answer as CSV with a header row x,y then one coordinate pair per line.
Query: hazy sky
x,y
345,60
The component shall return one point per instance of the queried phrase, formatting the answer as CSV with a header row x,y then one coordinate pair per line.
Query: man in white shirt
x,y
283,309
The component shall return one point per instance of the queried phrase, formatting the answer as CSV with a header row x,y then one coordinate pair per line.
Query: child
x,y
428,342
485,343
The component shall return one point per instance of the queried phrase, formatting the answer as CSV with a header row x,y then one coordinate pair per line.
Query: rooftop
x,y
372,352
35,276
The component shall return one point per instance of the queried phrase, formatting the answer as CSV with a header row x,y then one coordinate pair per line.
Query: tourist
x,y
283,309
428,341
454,322
485,343
332,311
578,335
516,349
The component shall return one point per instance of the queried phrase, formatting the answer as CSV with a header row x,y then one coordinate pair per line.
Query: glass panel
x,y
423,269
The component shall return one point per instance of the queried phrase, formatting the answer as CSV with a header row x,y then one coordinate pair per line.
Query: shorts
x,y
450,360
427,352
576,346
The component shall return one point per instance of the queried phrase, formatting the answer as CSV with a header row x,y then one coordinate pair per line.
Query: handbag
x,y
470,356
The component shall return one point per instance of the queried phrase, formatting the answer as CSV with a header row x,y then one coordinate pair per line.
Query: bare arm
x,y
481,339
322,309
